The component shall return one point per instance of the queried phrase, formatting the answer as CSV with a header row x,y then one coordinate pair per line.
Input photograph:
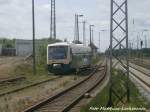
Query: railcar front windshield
x,y
57,52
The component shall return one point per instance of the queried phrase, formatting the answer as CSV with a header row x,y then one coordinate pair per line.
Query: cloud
x,y
16,17
5,2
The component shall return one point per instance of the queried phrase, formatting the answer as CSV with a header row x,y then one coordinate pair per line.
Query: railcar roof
x,y
65,44
59,44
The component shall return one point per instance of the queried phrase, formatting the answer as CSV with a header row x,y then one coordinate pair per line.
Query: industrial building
x,y
23,47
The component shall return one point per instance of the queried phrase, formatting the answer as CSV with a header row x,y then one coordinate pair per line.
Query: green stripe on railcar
x,y
78,60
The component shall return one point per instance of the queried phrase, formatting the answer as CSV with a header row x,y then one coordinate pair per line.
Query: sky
x,y
16,18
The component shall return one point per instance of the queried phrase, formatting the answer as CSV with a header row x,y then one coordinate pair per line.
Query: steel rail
x,y
32,85
67,108
141,64
52,98
147,84
139,78
140,71
11,79
26,87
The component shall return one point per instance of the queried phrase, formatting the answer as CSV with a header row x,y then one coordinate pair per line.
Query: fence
x,y
8,52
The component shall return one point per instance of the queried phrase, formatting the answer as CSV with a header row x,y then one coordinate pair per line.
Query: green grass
x,y
26,70
136,100
95,59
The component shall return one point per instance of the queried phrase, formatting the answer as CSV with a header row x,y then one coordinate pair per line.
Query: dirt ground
x,y
16,102
8,64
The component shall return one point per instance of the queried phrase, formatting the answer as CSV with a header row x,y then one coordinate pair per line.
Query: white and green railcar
x,y
64,57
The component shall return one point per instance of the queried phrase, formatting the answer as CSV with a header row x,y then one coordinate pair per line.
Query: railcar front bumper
x,y
59,68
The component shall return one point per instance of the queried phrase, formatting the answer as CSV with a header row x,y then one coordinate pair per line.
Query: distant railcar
x,y
64,57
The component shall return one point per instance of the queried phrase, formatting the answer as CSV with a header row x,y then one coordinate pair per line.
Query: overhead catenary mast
x,y
53,20
99,41
145,41
119,25
84,33
33,34
92,36
90,28
76,30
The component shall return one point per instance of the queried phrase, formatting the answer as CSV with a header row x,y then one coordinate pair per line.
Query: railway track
x,y
65,100
11,79
142,71
37,84
28,86
145,75
141,76
142,82
145,65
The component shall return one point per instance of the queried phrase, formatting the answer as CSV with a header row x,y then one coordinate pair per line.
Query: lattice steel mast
x,y
119,38
53,20
76,30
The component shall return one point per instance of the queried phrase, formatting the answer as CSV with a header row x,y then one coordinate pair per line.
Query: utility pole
x,y
92,36
145,41
33,32
84,33
75,28
137,42
53,20
100,37
130,49
78,33
119,24
90,27
137,47
99,41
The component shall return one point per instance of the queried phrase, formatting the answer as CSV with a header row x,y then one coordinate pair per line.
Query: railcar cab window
x,y
57,52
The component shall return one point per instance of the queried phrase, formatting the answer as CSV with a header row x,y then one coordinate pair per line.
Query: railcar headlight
x,y
56,65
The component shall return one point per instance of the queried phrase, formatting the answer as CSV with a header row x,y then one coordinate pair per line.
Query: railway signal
x,y
141,43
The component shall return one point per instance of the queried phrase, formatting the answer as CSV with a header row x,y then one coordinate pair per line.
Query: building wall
x,y
23,47
0,49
